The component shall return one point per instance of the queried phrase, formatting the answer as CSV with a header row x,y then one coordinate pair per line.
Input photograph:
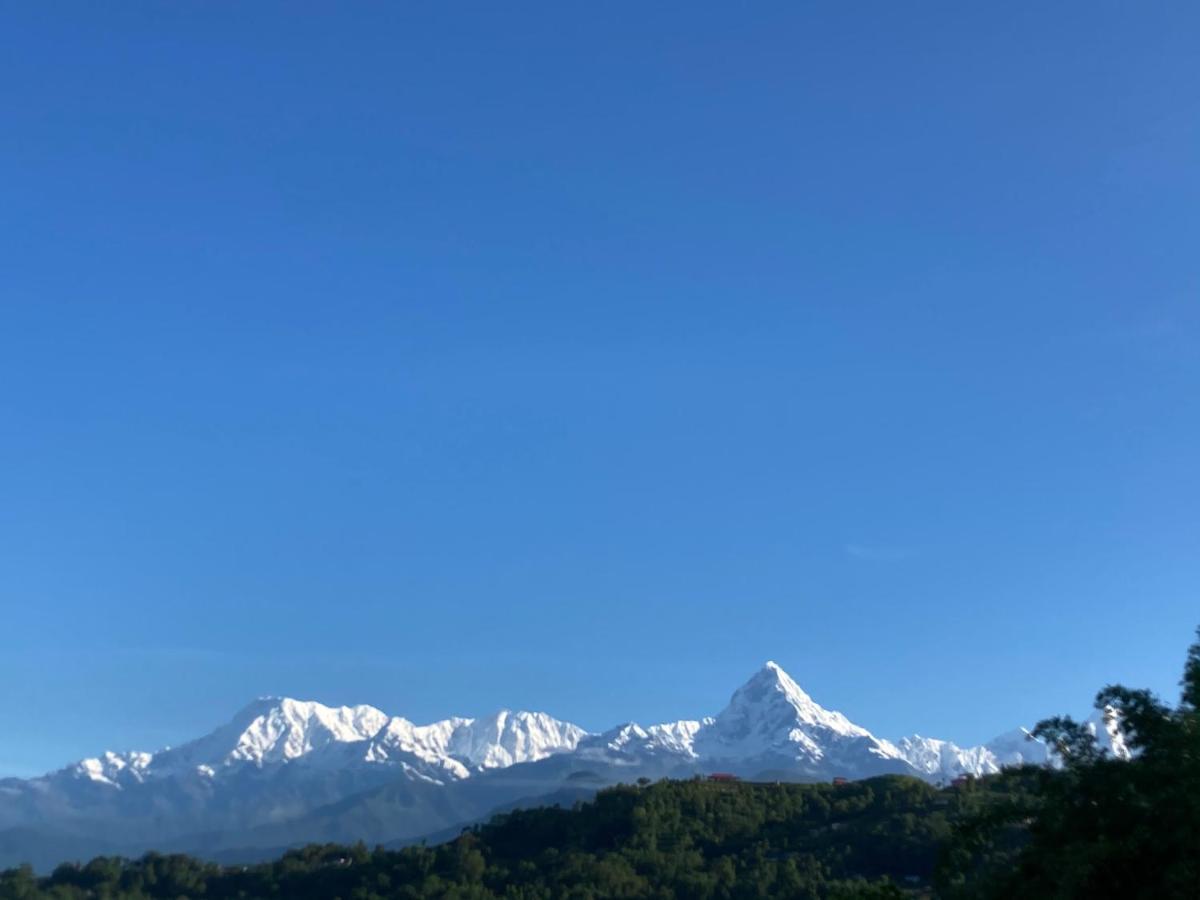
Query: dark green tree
x,y
1097,826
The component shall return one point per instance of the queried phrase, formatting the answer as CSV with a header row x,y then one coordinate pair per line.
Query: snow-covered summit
x,y
273,730
671,738
770,702
457,747
769,725
267,731
942,760
771,722
280,730
113,768
506,738
325,772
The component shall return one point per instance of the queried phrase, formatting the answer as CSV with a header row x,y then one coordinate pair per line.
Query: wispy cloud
x,y
877,552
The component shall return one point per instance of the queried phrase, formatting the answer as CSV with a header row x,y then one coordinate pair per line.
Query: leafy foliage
x,y
1096,827
877,838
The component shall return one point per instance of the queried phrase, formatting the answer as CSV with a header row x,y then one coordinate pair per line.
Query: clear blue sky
x,y
582,357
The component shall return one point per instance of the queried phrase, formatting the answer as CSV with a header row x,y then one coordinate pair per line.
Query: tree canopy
x,y
1093,827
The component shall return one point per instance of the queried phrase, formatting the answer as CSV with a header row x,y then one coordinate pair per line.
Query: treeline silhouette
x,y
1096,827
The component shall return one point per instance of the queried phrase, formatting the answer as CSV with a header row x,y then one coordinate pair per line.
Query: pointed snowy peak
x,y
771,699
620,738
115,769
506,738
772,671
678,737
939,760
771,722
631,744
420,749
771,678
458,746
273,730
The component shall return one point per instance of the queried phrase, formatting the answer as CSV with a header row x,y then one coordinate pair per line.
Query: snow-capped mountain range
x,y
938,760
279,730
283,771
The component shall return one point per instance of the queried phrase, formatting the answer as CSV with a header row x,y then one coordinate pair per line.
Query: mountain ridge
x,y
285,771
770,706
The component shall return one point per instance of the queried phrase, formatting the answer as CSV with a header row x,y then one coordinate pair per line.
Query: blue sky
x,y
582,357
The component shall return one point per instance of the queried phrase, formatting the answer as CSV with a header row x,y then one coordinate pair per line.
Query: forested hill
x,y
1093,827
875,838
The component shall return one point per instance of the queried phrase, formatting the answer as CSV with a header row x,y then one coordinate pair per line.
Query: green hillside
x,y
880,837
1097,827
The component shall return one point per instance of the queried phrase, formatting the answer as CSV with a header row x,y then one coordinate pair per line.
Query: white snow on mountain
x,y
770,723
769,726
272,731
943,760
678,737
456,747
1017,748
1105,726
113,768
284,770
423,748
507,738
671,738
771,717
